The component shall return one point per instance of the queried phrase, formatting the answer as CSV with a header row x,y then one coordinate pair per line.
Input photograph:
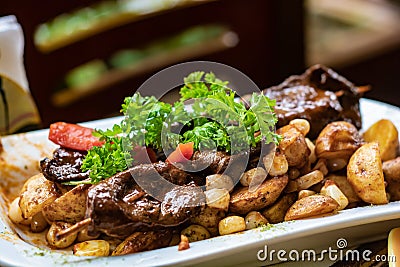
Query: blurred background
x,y
82,57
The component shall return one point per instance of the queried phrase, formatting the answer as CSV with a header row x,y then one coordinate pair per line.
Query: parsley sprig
x,y
215,119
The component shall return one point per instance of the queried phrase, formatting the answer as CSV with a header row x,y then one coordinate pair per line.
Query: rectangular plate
x,y
19,161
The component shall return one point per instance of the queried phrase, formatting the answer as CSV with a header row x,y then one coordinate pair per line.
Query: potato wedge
x,y
143,241
364,173
243,201
69,207
36,193
310,206
385,133
276,212
391,171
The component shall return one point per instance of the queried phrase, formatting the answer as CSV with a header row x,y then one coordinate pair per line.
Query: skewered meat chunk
x,y
320,96
65,166
118,206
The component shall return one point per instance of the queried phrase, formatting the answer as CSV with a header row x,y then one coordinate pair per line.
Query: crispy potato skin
x,y
364,173
243,201
36,193
311,206
391,171
69,207
386,135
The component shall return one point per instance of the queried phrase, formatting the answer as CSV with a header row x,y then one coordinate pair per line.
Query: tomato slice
x,y
182,153
73,136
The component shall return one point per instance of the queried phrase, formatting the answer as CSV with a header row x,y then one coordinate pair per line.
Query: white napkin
x,y
17,108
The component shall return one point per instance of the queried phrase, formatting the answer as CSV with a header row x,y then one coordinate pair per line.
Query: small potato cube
x,y
99,248
279,165
254,219
345,187
305,181
231,224
332,190
218,198
294,146
219,181
257,174
195,233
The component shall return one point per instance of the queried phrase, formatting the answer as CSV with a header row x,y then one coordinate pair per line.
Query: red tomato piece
x,y
182,153
73,136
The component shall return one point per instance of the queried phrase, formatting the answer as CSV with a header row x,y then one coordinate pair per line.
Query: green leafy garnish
x,y
215,119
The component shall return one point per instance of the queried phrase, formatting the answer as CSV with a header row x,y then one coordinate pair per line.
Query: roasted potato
x,y
243,201
142,241
69,207
386,135
37,193
254,219
54,229
99,248
15,213
310,206
195,233
345,187
231,224
391,171
305,181
294,146
276,212
217,198
364,173
209,218
338,140
332,190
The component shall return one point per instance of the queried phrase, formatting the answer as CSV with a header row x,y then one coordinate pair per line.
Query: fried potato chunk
x,y
310,206
364,173
385,133
243,201
37,193
69,207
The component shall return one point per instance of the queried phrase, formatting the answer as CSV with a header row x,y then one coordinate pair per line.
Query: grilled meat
x,y
65,166
320,96
118,206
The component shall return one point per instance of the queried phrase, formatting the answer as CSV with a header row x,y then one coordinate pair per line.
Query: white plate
x,y
22,153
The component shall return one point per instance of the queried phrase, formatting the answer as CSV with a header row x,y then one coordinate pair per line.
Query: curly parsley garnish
x,y
213,118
